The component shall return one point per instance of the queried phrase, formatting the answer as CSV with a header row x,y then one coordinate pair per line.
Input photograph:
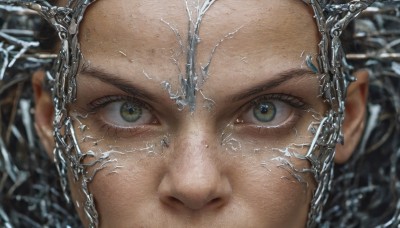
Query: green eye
x,y
130,112
264,111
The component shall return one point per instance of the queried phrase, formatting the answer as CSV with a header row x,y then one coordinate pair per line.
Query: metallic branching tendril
x,y
67,152
365,191
29,188
194,76
359,190
335,75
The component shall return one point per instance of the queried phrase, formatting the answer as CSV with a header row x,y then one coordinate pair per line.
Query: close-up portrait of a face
x,y
199,113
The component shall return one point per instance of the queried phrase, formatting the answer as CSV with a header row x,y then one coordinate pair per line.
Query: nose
x,y
195,179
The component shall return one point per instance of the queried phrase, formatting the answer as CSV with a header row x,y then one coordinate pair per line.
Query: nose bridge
x,y
195,178
195,161
197,133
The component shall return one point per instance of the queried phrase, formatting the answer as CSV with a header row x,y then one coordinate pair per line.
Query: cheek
x,y
275,192
263,173
265,193
125,196
124,172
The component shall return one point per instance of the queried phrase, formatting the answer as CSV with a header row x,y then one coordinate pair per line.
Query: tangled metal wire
x,y
30,192
366,190
359,190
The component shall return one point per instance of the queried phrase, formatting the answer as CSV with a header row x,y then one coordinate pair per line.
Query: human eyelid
x,y
281,123
103,101
110,121
293,101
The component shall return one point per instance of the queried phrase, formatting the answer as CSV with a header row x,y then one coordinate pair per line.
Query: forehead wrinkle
x,y
268,26
139,16
133,26
281,12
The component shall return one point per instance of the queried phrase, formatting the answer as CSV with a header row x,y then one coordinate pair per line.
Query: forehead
x,y
141,25
134,39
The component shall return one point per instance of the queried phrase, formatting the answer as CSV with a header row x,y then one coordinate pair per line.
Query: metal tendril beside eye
x,y
130,112
264,111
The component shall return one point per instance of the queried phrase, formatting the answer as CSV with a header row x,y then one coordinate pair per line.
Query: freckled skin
x,y
196,182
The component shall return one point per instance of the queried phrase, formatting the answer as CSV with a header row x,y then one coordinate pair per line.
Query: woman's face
x,y
234,160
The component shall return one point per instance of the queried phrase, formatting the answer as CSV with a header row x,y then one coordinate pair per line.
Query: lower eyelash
x,y
283,129
286,125
108,129
118,132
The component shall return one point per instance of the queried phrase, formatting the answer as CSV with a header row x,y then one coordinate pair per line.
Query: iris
x,y
130,112
264,111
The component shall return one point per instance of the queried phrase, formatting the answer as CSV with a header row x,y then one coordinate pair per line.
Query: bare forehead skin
x,y
139,33
139,23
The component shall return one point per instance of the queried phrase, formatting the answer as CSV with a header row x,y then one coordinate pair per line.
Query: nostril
x,y
174,201
216,202
197,195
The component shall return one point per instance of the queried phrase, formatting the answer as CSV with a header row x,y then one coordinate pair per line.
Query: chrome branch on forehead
x,y
19,58
193,78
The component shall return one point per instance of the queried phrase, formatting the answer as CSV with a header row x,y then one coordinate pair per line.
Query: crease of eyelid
x,y
293,101
104,101
277,80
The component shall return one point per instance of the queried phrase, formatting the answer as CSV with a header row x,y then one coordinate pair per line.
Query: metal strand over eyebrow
x,y
280,78
116,81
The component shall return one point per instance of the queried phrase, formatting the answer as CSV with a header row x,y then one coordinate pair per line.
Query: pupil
x,y
265,112
264,108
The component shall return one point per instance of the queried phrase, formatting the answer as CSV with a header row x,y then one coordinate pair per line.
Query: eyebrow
x,y
279,79
112,79
127,87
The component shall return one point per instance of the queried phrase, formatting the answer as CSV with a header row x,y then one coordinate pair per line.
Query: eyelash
x,y
102,102
291,100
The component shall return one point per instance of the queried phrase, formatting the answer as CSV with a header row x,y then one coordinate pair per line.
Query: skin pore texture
x,y
214,167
